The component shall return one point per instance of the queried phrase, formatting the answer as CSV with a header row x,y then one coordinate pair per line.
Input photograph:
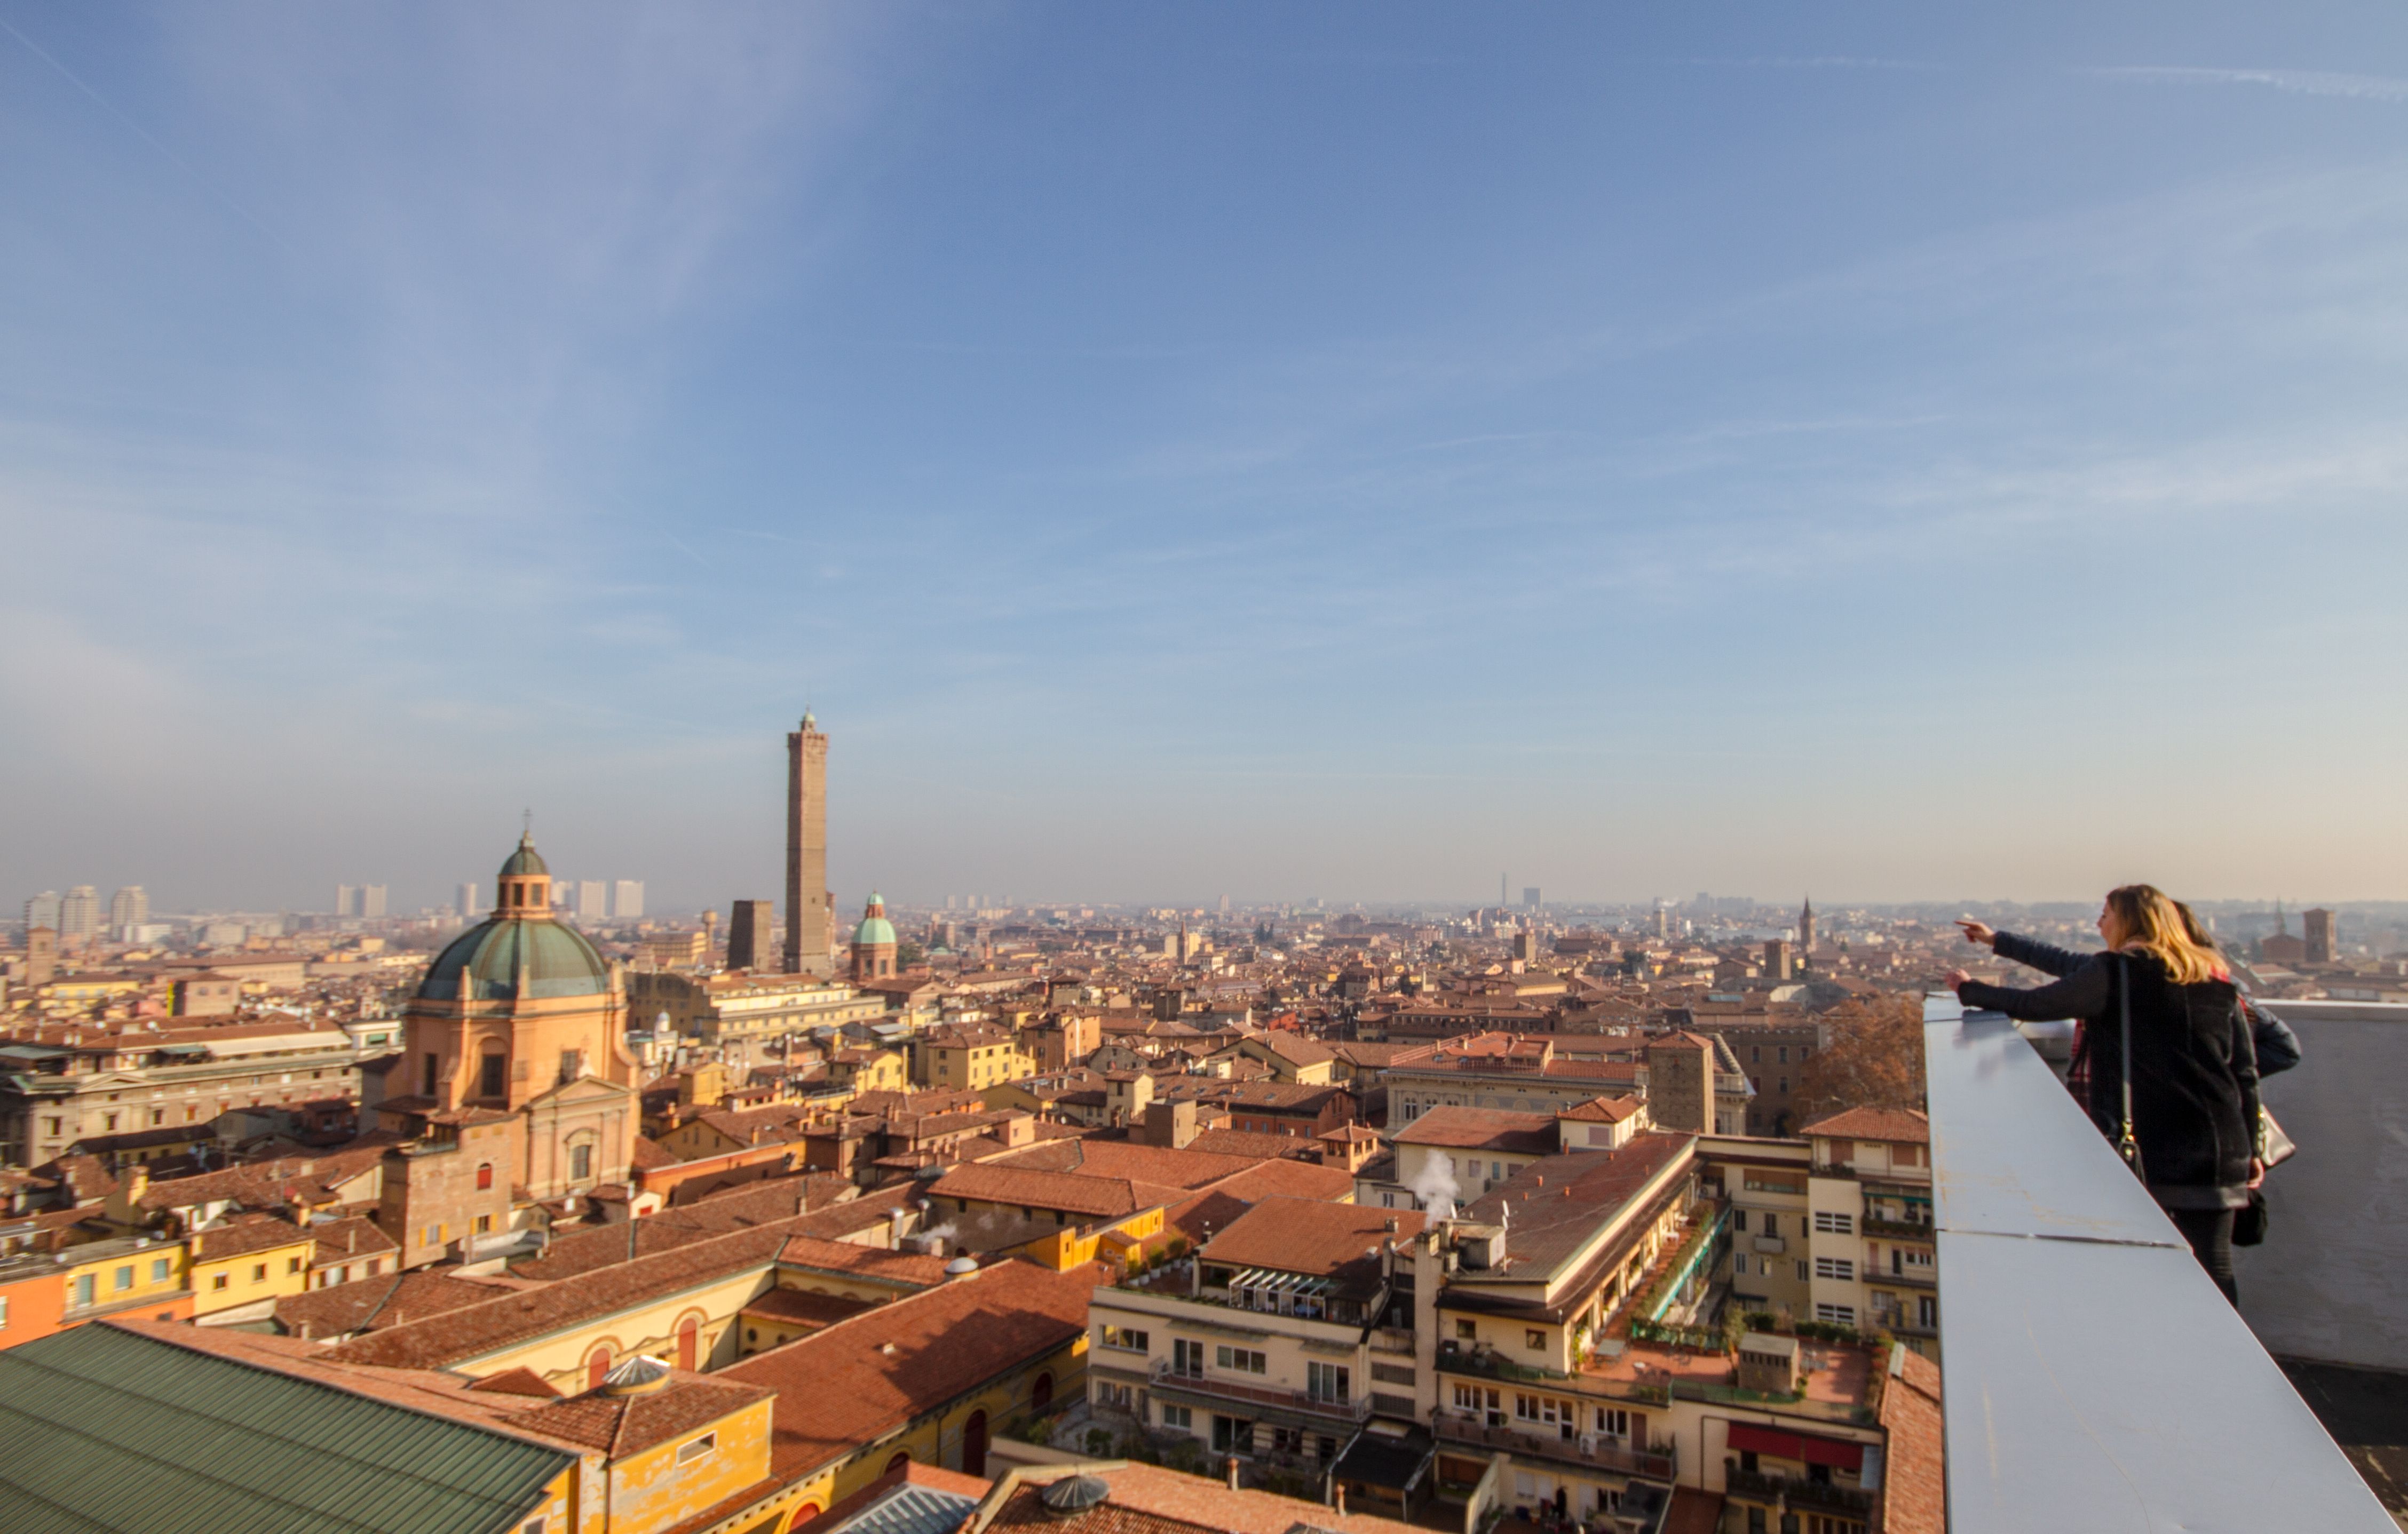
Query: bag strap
x,y
2126,1145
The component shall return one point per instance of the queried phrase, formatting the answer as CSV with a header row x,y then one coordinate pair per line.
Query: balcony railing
x,y
1488,1365
1590,1449
1907,1230
1798,1492
2095,1379
1277,1397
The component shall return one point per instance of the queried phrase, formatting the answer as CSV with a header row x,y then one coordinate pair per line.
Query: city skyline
x,y
1643,451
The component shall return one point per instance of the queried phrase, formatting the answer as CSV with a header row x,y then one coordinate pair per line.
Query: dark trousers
x,y
2209,1234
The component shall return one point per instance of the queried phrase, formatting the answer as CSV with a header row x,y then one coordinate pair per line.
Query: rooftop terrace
x,y
2095,1379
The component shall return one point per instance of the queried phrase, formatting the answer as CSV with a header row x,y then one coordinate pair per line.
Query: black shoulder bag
x,y
2127,1146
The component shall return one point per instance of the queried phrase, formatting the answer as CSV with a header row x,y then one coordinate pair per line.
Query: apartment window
x,y
1927,1312
1466,1331
1739,1222
1131,1338
108,1122
191,1114
580,1162
54,1127
1843,1316
1535,1339
158,1115
490,1082
219,1281
1785,1084
1327,1382
1834,1267
4,1313
1242,1360
484,1225
1755,1055
533,1525
1805,1272
259,1272
1739,1263
426,1237
158,1269
123,1278
688,1452
1177,1416
1613,1422
1186,1358
1835,1222
484,1176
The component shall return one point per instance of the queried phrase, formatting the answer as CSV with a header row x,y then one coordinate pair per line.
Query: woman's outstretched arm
x,y
2047,958
2082,994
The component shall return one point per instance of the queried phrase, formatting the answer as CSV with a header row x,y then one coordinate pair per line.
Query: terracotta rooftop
x,y
1306,1235
245,1235
1150,1499
1915,1488
839,1391
1482,1129
625,1425
1559,1203
1106,1197
1895,1125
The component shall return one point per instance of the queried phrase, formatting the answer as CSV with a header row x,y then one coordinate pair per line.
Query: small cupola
x,y
523,887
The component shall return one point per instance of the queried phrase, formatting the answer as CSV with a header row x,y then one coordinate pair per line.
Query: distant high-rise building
x,y
1501,892
752,935
1225,905
593,898
1529,898
949,902
372,899
79,915
43,910
627,898
466,900
347,899
811,946
1664,922
2322,942
130,907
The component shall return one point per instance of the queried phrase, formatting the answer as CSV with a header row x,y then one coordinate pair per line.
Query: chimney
x,y
1233,1472
1337,1497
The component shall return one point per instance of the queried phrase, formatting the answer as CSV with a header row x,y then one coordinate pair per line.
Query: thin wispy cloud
x,y
1816,61
2303,83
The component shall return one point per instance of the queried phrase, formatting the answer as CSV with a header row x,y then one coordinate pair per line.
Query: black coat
x,y
2195,1068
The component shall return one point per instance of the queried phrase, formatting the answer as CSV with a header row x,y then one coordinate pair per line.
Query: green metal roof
x,y
104,1430
559,962
526,860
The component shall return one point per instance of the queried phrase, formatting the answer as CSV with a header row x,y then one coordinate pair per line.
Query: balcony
x,y
1897,1230
1799,1492
1589,1449
1488,1365
2082,1341
1260,1397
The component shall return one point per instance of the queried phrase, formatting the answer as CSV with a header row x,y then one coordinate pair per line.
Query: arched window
x,y
689,1336
974,1444
1041,1395
596,1366
484,1175
898,1462
803,1514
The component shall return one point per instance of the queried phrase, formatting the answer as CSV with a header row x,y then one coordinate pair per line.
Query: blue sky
x,y
1283,450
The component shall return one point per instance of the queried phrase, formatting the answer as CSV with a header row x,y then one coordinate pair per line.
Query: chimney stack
x,y
1233,1472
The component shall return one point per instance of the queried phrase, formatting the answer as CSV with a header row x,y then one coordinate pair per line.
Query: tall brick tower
x,y
810,942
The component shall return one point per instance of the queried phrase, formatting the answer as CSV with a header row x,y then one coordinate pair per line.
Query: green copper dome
x,y
526,860
487,957
875,928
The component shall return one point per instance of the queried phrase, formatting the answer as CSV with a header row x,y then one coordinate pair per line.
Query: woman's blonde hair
x,y
2153,923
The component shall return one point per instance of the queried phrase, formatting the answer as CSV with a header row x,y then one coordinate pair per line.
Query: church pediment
x,y
582,1092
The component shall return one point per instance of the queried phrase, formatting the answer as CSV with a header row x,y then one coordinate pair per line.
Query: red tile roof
x,y
619,1425
841,1390
1303,1236
1148,1499
1482,1129
1897,1124
1916,1487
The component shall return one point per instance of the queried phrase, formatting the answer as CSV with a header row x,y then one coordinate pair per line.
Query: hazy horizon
x,y
1349,451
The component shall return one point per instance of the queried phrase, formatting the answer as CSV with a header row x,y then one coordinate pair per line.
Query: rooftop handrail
x,y
2094,1378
